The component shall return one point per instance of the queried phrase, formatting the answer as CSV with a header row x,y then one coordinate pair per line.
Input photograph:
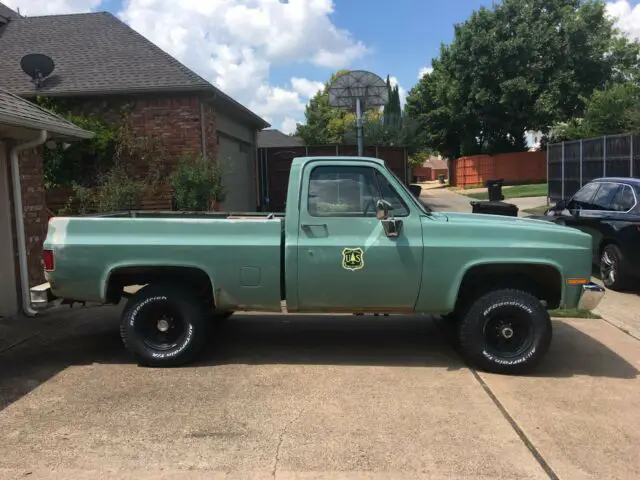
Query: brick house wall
x,y
178,120
175,119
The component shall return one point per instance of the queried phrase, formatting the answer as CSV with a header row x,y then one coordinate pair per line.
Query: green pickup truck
x,y
353,240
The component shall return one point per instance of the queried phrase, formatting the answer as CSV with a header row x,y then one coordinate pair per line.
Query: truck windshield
x,y
421,207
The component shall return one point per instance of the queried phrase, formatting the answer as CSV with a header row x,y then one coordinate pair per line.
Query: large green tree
x,y
324,124
521,65
615,109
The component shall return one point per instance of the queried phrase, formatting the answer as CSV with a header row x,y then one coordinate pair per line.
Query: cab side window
x,y
624,199
337,191
604,197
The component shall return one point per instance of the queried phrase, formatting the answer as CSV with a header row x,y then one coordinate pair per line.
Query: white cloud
x,y
401,91
424,71
627,17
306,88
51,7
234,43
288,125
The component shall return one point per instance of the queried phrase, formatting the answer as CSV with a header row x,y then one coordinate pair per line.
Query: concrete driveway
x,y
312,397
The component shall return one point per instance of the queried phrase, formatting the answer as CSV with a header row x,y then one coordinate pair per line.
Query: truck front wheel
x,y
164,326
505,331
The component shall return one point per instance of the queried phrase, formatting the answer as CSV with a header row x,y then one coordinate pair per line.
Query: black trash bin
x,y
495,190
494,208
441,179
415,189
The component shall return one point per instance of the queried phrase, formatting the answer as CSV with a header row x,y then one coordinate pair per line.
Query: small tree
x,y
197,184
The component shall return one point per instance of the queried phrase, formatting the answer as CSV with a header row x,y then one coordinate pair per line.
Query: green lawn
x,y
516,191
536,210
572,313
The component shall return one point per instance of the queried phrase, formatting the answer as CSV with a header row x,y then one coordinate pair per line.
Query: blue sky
x,y
273,55
403,39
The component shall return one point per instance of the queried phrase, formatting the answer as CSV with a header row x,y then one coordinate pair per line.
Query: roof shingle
x,y
7,13
96,54
275,138
93,52
17,112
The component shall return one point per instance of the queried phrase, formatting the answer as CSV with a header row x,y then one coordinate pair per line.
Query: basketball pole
x,y
359,129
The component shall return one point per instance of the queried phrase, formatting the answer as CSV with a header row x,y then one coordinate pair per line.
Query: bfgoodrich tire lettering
x,y
164,326
505,331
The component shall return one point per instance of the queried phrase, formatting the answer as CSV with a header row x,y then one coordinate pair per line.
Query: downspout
x,y
19,216
203,131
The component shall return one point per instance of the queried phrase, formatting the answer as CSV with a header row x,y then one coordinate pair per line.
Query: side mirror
x,y
392,227
382,209
561,205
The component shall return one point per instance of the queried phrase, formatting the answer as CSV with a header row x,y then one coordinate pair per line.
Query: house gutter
x,y
19,216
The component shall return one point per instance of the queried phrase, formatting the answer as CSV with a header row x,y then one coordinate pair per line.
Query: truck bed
x,y
174,214
240,253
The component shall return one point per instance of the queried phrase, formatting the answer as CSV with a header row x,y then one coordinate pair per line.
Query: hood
x,y
505,222
500,219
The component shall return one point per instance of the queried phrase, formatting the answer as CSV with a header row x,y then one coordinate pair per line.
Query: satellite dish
x,y
358,90
38,66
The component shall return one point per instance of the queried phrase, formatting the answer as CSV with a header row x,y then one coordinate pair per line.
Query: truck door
x,y
346,262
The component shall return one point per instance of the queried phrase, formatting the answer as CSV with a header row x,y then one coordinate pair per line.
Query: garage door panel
x,y
238,175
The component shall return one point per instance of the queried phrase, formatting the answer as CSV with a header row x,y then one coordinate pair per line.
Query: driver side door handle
x,y
306,226
318,230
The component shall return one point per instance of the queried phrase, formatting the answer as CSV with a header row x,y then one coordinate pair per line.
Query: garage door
x,y
236,160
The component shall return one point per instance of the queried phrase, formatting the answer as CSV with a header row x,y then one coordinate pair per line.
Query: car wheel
x,y
611,268
505,331
164,326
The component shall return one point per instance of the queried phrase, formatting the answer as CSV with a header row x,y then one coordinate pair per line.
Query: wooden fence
x,y
515,168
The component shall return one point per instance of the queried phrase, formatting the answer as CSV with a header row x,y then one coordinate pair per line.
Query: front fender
x,y
453,295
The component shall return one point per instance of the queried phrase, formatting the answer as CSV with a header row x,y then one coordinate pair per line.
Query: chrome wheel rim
x,y
608,268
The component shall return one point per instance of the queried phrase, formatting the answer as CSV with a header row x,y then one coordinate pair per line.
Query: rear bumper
x,y
41,296
590,297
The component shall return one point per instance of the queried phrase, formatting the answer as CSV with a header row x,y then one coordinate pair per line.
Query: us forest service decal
x,y
352,258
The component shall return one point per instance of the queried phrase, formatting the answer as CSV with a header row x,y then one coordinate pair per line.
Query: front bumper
x,y
590,297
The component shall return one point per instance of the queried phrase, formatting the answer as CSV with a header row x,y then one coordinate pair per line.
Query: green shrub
x,y
197,183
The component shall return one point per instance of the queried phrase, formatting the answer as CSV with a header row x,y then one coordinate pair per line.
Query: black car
x,y
609,210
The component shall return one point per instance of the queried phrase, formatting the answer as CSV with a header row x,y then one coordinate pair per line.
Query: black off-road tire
x,y
612,268
185,336
484,328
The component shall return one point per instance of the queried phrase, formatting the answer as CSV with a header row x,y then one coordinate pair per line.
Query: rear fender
x,y
113,270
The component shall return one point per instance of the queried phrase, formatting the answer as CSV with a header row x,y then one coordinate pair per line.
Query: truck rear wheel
x,y
505,331
164,326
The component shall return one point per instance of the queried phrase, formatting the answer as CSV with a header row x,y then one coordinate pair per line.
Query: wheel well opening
x,y
542,281
192,278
